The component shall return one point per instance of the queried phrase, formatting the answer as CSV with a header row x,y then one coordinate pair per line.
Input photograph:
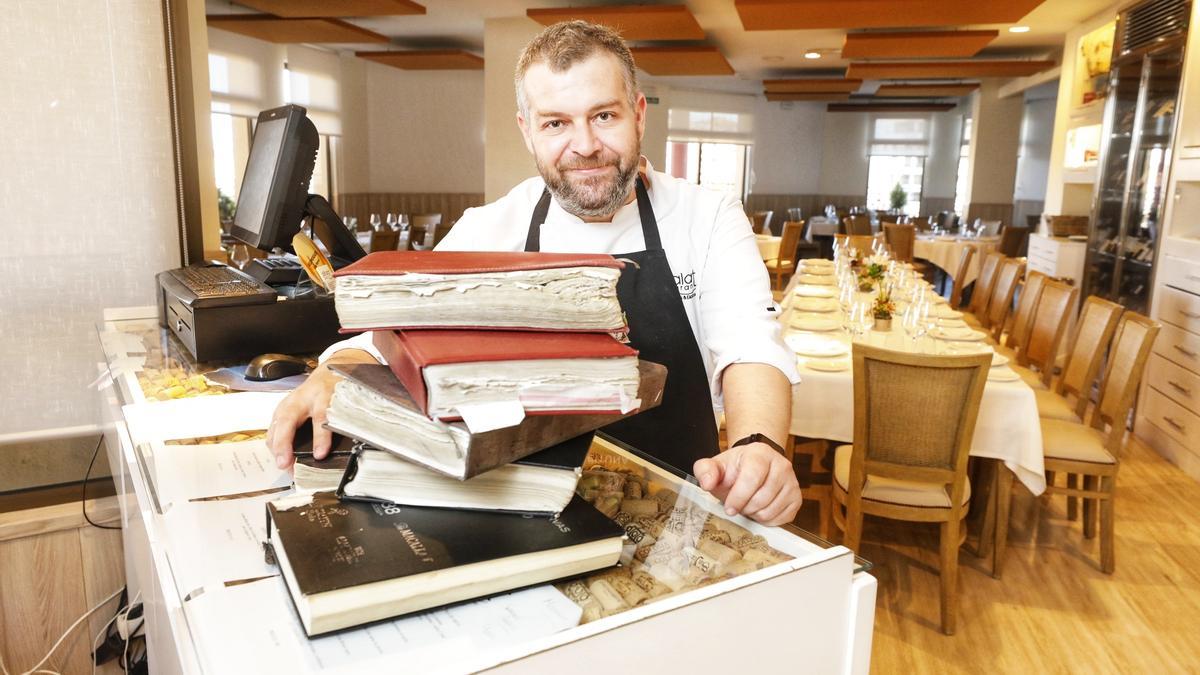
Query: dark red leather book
x,y
470,262
409,353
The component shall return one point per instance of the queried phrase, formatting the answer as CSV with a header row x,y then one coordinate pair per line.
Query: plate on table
x,y
957,334
815,305
818,270
946,237
815,292
1003,375
944,312
814,322
952,323
820,346
828,365
816,280
998,359
961,348
817,262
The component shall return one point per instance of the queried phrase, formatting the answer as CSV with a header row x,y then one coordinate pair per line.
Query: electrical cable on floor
x,y
86,476
36,668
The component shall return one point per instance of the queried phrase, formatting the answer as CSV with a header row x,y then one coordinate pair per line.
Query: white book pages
x,y
252,628
200,416
583,298
186,472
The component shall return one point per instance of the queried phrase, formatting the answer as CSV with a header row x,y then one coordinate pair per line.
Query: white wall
x,y
1037,135
88,193
506,160
425,130
996,132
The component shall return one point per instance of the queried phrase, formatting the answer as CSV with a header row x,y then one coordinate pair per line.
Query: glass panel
x,y
723,167
885,172
901,129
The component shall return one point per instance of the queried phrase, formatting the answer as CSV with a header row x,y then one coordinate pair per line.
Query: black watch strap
x,y
759,438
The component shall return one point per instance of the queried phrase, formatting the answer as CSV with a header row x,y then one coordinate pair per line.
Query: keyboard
x,y
275,271
221,285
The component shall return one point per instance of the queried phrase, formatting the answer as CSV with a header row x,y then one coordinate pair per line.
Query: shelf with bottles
x,y
1082,156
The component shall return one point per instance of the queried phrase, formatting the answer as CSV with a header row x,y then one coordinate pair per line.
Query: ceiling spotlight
x,y
812,54
1018,29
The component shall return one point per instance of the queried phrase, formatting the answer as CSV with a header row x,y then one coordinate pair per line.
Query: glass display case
x,y
214,605
1139,125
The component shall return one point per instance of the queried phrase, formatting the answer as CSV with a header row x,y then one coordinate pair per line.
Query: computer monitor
x,y
274,190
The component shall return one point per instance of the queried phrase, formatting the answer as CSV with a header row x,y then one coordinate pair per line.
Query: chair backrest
x,y
1013,240
1049,325
900,239
841,239
1126,363
789,240
859,224
983,284
795,213
761,220
890,217
862,242
384,240
424,219
1031,292
1095,328
914,415
1002,295
991,228
964,264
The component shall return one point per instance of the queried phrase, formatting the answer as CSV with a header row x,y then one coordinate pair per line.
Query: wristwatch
x,y
760,438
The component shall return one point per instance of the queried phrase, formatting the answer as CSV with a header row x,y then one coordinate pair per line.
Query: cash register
x,y
221,312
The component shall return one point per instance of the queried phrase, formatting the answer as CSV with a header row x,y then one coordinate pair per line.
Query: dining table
x,y
945,250
768,245
1008,427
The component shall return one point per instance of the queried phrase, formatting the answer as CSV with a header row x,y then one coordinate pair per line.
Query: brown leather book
x,y
550,372
371,405
465,289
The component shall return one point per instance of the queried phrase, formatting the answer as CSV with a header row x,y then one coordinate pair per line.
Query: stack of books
x,y
469,443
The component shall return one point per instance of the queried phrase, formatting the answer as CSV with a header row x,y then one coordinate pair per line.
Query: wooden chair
x,y
1093,450
1014,240
983,285
1003,290
1095,329
862,242
914,416
900,238
384,240
786,262
761,221
1046,333
858,224
1022,323
964,264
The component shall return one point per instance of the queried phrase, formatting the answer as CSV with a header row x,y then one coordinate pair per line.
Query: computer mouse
x,y
267,367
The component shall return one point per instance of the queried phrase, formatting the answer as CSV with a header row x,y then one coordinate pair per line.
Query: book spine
x,y
351,469
404,364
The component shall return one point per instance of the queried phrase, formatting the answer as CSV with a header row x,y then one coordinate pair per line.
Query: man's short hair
x,y
567,43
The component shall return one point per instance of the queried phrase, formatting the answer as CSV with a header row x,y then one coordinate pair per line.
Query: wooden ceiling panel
x,y
293,31
807,96
923,90
639,22
828,84
306,9
890,107
817,14
681,61
429,59
909,45
934,70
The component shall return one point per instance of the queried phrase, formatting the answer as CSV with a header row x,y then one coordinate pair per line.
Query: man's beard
x,y
596,195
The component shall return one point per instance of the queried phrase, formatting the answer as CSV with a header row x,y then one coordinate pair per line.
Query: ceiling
x,y
753,55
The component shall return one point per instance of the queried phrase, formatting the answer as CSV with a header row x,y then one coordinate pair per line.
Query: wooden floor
x,y
1053,611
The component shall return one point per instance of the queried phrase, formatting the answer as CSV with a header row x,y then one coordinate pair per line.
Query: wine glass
x,y
240,255
928,318
392,223
866,318
376,223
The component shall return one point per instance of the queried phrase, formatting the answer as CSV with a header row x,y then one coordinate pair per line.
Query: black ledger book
x,y
350,563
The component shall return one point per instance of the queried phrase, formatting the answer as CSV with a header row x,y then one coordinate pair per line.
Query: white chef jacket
x,y
709,245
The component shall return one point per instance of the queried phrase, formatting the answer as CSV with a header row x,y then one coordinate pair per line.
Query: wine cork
x,y
633,489
608,596
640,507
667,576
647,582
718,536
755,555
631,593
622,518
707,565
669,498
638,536
750,541
734,530
650,525
608,504
580,595
718,552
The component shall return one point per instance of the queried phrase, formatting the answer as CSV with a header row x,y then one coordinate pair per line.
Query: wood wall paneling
x,y
923,44
812,84
296,9
430,59
816,14
638,22
362,204
924,90
294,31
1001,212
945,69
806,96
681,61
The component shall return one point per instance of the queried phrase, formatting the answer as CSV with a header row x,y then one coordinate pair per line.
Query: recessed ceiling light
x,y
812,54
773,59
1018,29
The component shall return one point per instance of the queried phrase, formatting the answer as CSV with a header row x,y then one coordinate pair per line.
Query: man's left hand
x,y
753,480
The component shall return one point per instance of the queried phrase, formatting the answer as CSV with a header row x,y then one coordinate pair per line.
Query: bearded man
x,y
695,291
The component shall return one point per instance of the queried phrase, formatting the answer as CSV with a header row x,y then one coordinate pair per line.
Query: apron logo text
x,y
686,284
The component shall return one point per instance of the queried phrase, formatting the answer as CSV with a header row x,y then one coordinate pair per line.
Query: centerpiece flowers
x,y
883,310
871,273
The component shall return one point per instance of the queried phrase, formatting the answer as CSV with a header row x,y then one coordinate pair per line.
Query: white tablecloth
x,y
768,246
945,253
822,226
1008,428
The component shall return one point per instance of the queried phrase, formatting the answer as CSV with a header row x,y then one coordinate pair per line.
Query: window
x,y
898,147
711,149
962,184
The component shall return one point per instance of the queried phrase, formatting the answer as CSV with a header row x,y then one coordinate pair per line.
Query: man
x,y
695,291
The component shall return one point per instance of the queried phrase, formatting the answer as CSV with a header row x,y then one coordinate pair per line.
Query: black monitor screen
x,y
275,186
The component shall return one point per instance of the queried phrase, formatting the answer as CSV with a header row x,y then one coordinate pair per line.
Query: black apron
x,y
682,429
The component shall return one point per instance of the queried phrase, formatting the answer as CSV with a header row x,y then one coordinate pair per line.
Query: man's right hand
x,y
309,400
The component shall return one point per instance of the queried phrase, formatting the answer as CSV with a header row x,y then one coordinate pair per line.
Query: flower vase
x,y
883,325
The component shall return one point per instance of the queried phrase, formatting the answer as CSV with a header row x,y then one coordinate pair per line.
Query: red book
x,y
468,289
548,372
